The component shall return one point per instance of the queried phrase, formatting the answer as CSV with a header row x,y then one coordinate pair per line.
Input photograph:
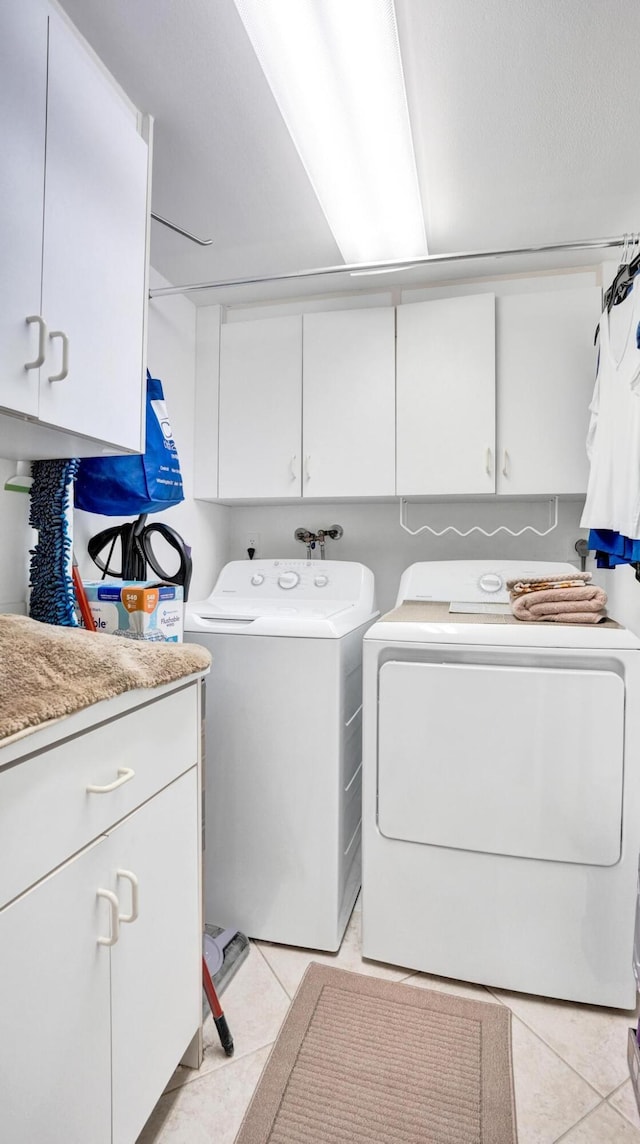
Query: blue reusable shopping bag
x,y
147,482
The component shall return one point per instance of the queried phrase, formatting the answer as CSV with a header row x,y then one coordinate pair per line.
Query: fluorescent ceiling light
x,y
334,68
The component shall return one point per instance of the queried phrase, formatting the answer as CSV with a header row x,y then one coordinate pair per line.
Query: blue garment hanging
x,y
611,548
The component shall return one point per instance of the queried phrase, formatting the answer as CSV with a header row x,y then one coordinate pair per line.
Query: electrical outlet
x,y
252,540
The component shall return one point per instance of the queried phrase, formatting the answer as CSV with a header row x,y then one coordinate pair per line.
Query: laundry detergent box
x,y
143,609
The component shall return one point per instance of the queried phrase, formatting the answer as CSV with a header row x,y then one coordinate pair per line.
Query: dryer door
x,y
508,760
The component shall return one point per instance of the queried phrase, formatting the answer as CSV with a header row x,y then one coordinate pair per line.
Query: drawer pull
x,y
125,774
134,896
115,917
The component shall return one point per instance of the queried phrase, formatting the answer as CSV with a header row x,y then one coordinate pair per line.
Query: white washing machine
x,y
284,746
501,789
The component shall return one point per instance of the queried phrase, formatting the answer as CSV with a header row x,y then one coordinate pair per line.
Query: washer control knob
x,y
257,579
490,582
321,581
288,579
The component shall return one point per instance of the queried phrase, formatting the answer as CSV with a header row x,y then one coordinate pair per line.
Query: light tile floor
x,y
570,1067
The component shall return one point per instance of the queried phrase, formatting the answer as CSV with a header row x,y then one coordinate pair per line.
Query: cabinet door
x,y
348,436
23,96
94,249
156,974
261,408
446,397
545,367
55,1043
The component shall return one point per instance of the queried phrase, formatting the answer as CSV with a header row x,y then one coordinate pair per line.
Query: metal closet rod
x,y
390,264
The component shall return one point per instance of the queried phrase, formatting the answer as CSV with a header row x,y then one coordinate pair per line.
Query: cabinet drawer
x,y
46,811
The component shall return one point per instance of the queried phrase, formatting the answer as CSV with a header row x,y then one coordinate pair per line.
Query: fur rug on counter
x,y
47,671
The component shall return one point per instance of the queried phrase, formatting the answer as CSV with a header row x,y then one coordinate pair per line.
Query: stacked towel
x,y
570,601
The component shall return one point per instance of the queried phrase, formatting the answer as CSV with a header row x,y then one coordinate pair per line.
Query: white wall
x,y
373,536
16,537
171,356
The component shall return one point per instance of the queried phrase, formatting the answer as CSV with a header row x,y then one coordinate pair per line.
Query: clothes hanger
x,y
623,281
622,278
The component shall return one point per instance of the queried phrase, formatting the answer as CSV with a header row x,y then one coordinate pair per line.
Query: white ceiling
x,y
525,116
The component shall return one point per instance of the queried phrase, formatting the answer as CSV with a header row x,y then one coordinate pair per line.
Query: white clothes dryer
x,y
501,789
283,763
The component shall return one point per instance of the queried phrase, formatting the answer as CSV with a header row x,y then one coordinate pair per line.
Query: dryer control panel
x,y
472,581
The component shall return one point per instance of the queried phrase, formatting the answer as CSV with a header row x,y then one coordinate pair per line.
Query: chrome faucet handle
x,y
582,548
306,537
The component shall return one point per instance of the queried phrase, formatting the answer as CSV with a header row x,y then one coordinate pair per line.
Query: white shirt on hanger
x,y
613,439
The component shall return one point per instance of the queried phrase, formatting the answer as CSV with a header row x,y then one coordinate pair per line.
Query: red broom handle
x,y
81,597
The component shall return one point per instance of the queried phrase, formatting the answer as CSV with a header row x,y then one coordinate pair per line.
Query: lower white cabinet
x,y
100,959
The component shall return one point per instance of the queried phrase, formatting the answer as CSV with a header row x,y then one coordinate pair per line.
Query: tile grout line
x,y
270,967
515,1016
582,1119
619,1110
198,1075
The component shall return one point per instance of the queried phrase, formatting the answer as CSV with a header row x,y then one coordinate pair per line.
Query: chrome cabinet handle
x,y
130,876
292,467
65,355
507,464
307,467
125,773
114,906
42,341
488,464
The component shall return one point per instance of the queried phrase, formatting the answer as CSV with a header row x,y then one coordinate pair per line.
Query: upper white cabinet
x,y
23,110
73,230
260,408
349,403
307,406
486,394
446,397
546,368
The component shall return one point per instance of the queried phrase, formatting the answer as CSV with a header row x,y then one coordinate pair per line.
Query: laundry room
x,y
320,410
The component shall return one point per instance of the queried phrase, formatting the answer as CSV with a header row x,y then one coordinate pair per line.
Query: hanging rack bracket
x,y
476,527
180,230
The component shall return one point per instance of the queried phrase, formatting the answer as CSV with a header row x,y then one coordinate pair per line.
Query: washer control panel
x,y
299,581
